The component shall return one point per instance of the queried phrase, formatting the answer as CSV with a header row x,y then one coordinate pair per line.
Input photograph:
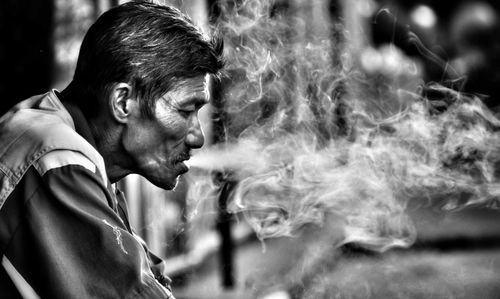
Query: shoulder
x,y
62,157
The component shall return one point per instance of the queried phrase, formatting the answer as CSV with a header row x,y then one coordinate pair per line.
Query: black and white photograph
x,y
250,149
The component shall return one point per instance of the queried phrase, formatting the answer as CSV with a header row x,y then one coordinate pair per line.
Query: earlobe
x,y
121,102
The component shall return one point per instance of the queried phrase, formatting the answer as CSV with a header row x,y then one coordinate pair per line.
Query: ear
x,y
121,102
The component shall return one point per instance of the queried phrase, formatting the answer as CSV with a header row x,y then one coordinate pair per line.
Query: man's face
x,y
158,146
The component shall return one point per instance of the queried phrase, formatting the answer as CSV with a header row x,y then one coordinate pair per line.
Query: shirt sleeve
x,y
72,244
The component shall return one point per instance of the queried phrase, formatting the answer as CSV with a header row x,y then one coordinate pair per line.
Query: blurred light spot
x,y
474,22
483,13
277,295
392,60
371,60
365,8
424,16
388,60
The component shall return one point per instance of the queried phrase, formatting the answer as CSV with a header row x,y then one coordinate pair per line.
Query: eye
x,y
186,113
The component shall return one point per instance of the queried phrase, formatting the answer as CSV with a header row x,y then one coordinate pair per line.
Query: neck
x,y
103,136
107,140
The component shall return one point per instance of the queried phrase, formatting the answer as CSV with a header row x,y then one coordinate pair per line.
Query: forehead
x,y
190,90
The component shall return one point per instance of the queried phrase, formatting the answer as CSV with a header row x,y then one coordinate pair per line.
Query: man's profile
x,y
141,77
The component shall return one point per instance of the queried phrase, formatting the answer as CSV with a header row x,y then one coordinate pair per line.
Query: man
x,y
132,106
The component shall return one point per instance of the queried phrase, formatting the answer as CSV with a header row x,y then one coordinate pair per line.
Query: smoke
x,y
312,133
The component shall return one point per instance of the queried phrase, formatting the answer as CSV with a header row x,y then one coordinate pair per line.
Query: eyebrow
x,y
196,99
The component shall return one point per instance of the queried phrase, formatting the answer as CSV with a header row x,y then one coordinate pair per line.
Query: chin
x,y
171,184
164,183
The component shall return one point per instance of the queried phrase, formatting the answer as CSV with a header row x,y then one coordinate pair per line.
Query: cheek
x,y
170,122
139,140
173,127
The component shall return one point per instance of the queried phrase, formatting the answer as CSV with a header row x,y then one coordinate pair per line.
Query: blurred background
x,y
211,253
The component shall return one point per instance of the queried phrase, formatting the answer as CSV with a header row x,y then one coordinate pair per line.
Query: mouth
x,y
183,168
180,162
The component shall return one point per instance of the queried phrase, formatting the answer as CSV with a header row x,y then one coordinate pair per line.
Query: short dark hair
x,y
150,46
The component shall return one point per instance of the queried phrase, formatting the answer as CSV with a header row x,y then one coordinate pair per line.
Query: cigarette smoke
x,y
311,134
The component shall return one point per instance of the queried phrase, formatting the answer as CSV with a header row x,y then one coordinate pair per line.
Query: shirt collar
x,y
82,126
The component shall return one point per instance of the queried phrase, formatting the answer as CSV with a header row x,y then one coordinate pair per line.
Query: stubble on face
x,y
160,146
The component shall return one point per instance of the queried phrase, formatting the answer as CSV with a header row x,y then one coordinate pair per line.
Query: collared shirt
x,y
64,230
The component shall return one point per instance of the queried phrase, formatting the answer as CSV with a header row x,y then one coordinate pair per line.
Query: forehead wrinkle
x,y
187,98
187,93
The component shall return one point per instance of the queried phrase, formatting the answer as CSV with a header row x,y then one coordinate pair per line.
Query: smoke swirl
x,y
311,134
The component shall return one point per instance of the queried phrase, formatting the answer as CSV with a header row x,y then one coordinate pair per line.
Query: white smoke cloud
x,y
313,134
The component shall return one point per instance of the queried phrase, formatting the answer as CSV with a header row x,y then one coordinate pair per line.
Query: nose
x,y
195,137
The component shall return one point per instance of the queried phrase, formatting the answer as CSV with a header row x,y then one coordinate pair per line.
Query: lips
x,y
180,162
182,157
183,168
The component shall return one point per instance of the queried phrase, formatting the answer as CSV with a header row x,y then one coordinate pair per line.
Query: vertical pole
x,y
226,251
219,118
